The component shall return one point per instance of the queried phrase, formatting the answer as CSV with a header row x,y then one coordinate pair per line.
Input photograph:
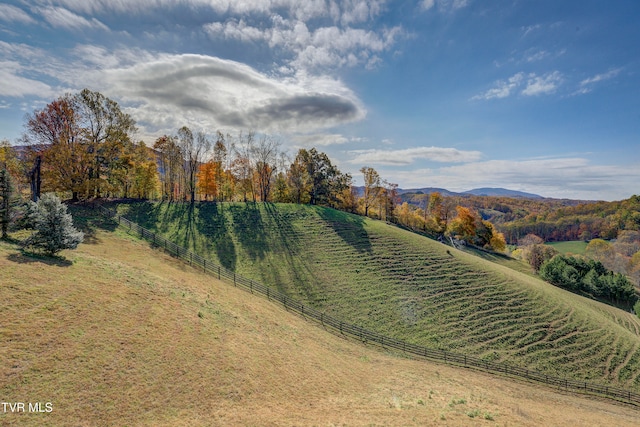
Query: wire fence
x,y
364,335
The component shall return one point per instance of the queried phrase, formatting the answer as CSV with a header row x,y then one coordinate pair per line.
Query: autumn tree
x,y
372,187
208,176
387,201
81,139
437,213
537,254
487,236
464,224
600,250
144,171
107,130
55,133
298,179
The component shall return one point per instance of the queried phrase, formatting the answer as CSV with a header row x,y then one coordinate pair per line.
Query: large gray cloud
x,y
215,93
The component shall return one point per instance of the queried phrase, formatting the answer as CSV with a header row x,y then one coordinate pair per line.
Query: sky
x,y
541,96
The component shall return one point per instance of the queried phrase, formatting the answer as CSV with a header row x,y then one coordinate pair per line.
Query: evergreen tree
x,y
53,226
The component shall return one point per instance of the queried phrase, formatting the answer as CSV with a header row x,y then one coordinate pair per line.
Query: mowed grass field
x,y
116,333
576,247
409,287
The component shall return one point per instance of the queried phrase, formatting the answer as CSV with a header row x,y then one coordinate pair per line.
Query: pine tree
x,y
53,225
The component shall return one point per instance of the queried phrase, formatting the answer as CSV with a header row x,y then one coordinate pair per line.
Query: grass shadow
x,y
32,257
349,227
211,222
248,228
89,221
142,212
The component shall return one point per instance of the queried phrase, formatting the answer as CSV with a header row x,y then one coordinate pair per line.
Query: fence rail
x,y
365,335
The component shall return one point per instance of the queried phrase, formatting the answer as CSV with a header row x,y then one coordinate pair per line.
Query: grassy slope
x,y
576,247
409,287
119,334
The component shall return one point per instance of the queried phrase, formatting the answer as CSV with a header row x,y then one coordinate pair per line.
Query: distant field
x,y
116,333
576,247
412,288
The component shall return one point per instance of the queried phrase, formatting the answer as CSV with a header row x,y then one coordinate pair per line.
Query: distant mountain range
x,y
496,192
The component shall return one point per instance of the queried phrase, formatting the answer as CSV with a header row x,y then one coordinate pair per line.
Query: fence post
x,y
268,296
251,286
322,318
234,275
204,264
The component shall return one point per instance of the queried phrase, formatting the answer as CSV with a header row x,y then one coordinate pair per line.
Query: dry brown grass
x,y
128,336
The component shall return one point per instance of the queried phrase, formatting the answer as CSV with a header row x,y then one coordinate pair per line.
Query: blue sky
x,y
538,96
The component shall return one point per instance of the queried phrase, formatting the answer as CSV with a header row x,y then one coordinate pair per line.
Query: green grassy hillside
x,y
409,287
576,247
116,333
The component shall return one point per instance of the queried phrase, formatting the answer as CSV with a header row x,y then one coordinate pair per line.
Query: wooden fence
x,y
364,335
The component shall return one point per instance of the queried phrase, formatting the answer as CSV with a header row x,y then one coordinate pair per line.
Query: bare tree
x,y
242,165
194,150
265,157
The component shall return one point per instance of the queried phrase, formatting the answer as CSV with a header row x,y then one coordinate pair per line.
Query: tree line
x,y
84,145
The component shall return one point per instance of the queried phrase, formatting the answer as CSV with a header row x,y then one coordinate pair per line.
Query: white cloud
x,y
409,155
600,77
10,13
443,5
533,56
14,85
533,85
542,85
63,18
427,4
574,178
503,88
530,29
324,47
346,12
320,139
168,91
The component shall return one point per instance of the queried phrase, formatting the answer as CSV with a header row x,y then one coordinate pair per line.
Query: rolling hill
x,y
409,287
116,333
